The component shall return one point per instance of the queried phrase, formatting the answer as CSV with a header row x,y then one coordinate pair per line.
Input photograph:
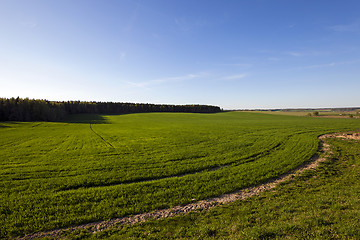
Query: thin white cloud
x,y
333,64
155,35
291,26
28,24
165,80
235,77
179,78
183,24
295,54
305,53
186,24
122,55
200,23
321,65
135,84
132,19
241,65
353,27
273,59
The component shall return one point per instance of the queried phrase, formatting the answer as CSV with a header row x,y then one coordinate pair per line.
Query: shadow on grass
x,y
99,118
86,118
8,124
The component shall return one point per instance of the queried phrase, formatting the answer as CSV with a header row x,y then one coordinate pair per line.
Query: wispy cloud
x,y
353,27
155,35
321,65
28,24
325,65
295,54
187,24
291,26
122,55
305,53
166,80
235,77
240,65
274,59
132,19
183,24
179,78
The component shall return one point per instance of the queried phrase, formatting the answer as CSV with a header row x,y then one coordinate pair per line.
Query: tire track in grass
x,y
248,159
101,137
199,205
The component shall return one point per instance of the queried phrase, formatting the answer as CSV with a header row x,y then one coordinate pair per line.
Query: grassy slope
x,y
320,204
57,174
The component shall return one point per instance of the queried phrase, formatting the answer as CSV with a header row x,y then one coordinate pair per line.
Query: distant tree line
x,y
345,109
24,109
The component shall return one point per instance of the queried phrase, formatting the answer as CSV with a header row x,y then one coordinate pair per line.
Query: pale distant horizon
x,y
236,54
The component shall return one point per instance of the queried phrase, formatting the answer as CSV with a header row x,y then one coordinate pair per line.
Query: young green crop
x,y
319,204
94,167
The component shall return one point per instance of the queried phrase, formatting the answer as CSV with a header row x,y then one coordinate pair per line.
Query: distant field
x,y
95,167
308,113
300,113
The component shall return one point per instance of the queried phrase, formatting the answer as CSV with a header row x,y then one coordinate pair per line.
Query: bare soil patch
x,y
350,135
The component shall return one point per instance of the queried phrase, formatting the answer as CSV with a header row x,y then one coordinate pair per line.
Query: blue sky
x,y
234,54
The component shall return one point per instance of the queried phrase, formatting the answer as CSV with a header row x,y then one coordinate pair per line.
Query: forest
x,y
25,109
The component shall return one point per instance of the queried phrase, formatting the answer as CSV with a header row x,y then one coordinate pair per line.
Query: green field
x,y
319,204
95,167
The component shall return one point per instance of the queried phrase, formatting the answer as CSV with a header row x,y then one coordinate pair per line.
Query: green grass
x,y
319,204
93,167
